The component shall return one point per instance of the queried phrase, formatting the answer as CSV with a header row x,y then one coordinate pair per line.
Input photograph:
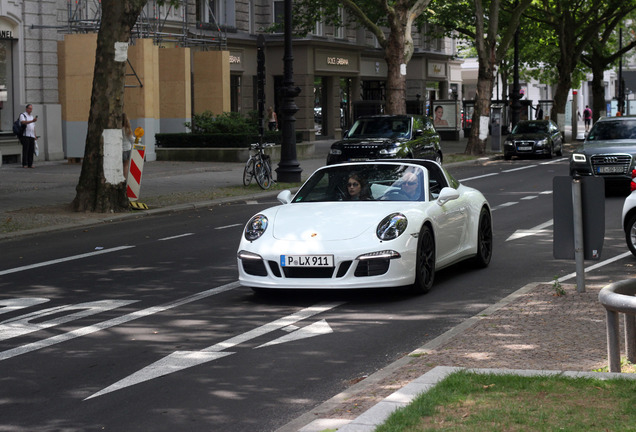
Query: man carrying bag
x,y
28,137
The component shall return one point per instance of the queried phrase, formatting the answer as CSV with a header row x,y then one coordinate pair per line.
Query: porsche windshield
x,y
365,182
380,127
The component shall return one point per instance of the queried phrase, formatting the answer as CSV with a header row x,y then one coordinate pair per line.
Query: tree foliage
x,y
489,25
575,25
390,21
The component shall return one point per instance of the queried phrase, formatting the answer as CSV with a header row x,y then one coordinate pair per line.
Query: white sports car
x,y
363,225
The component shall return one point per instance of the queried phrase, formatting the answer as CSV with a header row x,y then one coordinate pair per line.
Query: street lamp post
x,y
288,170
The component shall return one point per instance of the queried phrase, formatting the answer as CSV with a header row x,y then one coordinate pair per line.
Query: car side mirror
x,y
418,132
447,194
284,197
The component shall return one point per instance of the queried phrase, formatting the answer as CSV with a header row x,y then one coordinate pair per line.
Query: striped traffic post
x,y
133,182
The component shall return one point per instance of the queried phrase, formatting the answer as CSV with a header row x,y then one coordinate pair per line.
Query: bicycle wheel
x,y
263,176
248,172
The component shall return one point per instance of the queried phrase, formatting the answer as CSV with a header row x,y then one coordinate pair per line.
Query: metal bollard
x,y
618,297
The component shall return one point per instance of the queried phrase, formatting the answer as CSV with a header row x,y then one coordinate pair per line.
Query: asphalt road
x,y
140,325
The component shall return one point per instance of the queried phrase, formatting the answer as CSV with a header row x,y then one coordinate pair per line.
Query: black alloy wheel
x,y
484,239
425,262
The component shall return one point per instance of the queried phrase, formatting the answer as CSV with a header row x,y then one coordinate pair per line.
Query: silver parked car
x,y
608,151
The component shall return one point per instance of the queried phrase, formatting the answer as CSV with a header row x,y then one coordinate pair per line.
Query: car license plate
x,y
306,260
611,170
524,148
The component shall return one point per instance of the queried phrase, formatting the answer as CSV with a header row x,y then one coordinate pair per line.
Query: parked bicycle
x,y
258,166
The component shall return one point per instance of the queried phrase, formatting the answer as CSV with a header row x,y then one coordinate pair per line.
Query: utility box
x,y
495,127
593,214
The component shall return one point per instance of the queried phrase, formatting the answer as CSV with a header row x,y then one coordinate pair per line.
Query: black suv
x,y
388,136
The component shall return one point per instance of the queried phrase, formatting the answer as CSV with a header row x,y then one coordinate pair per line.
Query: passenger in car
x,y
357,188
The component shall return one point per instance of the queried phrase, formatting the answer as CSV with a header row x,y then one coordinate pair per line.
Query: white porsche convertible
x,y
367,225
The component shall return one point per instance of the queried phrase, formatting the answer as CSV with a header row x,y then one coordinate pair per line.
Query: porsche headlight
x,y
578,157
391,226
255,227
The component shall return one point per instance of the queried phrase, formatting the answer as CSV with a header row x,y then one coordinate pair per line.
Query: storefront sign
x,y
437,70
7,29
236,61
336,61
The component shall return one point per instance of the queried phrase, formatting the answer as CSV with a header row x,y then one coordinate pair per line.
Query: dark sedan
x,y
534,138
608,151
388,137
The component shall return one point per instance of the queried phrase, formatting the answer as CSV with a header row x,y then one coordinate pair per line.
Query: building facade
x,y
196,57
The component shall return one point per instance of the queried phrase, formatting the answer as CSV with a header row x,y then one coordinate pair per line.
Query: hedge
x,y
189,140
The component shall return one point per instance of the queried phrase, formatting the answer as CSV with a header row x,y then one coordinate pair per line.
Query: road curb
x,y
297,424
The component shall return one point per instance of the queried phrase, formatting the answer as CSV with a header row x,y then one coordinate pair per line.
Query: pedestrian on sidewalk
x,y
587,117
272,119
28,137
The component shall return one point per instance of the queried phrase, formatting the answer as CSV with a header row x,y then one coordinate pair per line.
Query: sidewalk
x,y
38,199
532,329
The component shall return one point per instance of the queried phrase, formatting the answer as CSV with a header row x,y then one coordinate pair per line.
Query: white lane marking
x,y
11,305
180,360
61,260
478,177
548,192
504,205
520,168
228,226
176,237
24,324
316,329
595,266
539,229
4,355
553,161
531,197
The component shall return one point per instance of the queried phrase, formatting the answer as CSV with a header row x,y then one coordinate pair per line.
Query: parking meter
x,y
495,127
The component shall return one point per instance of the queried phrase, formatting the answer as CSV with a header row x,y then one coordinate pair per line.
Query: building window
x,y
235,93
217,12
278,12
339,31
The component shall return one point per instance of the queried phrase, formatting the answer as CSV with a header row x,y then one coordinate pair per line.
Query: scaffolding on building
x,y
165,24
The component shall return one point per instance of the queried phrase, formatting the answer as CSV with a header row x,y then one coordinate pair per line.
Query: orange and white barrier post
x,y
133,182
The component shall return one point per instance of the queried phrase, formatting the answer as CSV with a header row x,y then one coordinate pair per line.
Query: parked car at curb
x,y
534,138
388,137
629,216
406,220
608,151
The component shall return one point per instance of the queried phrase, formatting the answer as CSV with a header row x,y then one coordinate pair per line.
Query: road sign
x,y
133,182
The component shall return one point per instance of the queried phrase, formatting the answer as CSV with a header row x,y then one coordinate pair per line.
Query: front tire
x,y
424,262
630,234
248,172
484,239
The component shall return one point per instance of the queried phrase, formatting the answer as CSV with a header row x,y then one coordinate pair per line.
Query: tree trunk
x,y
395,80
564,84
93,193
478,136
